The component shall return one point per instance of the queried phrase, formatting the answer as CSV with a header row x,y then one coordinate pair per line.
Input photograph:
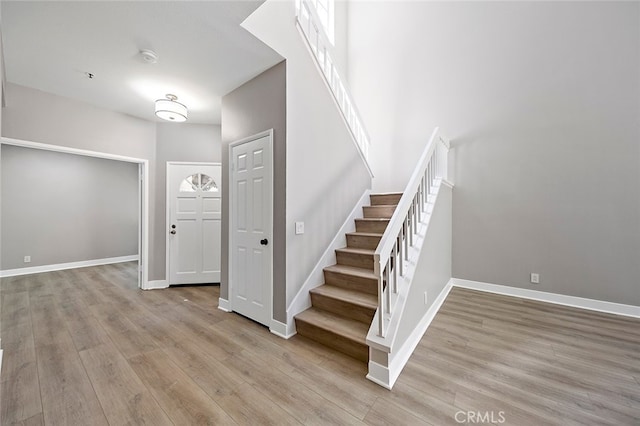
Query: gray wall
x,y
259,105
38,116
542,102
60,208
178,142
325,174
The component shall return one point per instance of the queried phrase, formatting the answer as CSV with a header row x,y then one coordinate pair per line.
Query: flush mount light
x,y
170,110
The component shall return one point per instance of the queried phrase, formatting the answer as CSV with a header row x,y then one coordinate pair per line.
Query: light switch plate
x,y
299,228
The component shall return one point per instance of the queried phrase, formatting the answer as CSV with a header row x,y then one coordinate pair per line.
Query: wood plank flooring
x,y
85,347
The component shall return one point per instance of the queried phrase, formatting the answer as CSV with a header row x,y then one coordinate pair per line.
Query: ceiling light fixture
x,y
170,110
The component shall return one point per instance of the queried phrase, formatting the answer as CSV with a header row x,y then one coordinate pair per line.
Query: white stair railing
x,y
313,33
393,248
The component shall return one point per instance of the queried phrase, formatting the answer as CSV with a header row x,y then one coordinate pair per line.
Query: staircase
x,y
343,307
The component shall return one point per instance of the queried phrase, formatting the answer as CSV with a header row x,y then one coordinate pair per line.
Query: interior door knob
x,y
173,231
264,242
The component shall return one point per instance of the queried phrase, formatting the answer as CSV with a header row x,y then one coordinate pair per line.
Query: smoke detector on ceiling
x,y
149,56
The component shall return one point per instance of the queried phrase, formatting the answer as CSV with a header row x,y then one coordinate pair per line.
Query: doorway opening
x,y
143,207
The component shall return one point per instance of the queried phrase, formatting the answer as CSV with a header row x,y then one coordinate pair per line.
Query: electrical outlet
x,y
27,259
299,228
425,298
535,278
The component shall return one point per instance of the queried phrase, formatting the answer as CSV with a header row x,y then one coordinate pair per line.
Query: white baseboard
x,y
69,265
447,183
302,300
224,305
280,329
379,374
387,376
156,284
558,299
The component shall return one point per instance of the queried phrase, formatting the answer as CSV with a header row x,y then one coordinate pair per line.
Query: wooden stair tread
x,y
356,250
354,297
365,234
351,270
386,198
373,219
353,330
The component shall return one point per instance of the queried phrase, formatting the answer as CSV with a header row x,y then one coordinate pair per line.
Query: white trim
x,y
69,150
167,213
195,163
399,300
446,182
387,376
558,299
144,236
144,217
232,145
156,284
69,265
280,329
224,305
302,299
378,374
291,322
400,359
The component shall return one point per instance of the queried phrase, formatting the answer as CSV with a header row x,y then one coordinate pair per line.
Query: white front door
x,y
250,278
194,200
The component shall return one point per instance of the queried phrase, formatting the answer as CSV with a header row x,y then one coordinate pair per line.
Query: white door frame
x,y
143,193
168,206
260,135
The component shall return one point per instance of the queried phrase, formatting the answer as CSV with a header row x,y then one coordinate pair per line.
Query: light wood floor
x,y
84,347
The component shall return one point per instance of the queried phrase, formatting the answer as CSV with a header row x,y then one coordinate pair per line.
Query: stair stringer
x,y
302,299
428,268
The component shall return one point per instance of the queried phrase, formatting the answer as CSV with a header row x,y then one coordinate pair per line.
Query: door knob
x,y
173,231
264,242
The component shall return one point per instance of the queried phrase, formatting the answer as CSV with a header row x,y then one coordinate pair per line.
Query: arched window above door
x,y
198,181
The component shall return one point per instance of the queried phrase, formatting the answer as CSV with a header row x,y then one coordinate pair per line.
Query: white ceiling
x,y
203,52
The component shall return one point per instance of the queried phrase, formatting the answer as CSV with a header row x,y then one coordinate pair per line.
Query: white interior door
x,y
194,197
250,278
